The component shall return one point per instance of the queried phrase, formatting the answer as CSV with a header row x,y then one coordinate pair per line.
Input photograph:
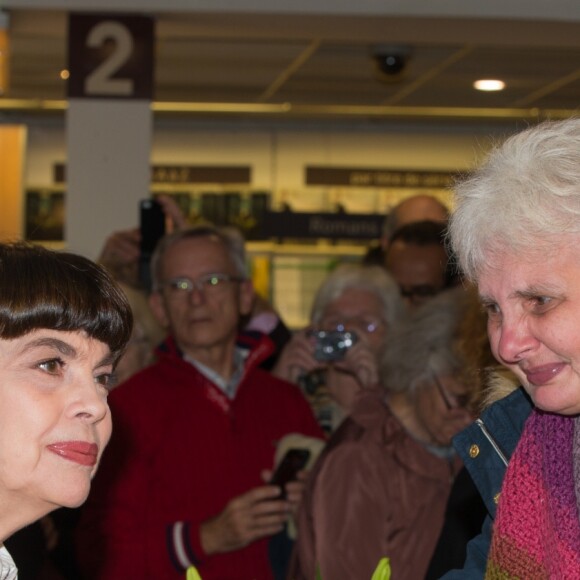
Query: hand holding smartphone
x,y
293,461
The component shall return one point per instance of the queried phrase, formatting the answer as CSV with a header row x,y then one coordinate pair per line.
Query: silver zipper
x,y
488,436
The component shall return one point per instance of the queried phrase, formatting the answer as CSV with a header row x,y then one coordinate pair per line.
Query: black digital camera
x,y
331,345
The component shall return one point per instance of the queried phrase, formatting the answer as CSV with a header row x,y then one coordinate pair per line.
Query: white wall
x,y
278,155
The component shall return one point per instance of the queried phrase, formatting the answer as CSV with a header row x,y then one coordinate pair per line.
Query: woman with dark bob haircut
x,y
63,326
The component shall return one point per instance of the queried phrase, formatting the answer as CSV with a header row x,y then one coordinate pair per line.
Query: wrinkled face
x,y
440,409
360,311
54,418
418,270
533,318
203,316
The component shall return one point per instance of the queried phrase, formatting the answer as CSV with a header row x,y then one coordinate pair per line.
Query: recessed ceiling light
x,y
489,85
64,74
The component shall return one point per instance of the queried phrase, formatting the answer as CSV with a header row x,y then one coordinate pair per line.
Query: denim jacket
x,y
485,448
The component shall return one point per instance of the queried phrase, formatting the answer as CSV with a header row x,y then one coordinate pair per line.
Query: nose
x,y
89,402
196,294
514,338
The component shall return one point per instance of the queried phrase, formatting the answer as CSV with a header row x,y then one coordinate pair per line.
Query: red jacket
x,y
180,452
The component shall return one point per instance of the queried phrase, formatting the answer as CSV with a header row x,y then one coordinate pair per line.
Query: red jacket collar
x,y
259,345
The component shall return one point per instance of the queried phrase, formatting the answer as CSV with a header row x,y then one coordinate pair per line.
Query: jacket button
x,y
473,451
496,498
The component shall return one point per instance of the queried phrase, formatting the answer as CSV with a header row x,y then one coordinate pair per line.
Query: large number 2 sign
x,y
101,81
110,56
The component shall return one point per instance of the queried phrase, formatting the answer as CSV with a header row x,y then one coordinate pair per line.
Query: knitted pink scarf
x,y
536,533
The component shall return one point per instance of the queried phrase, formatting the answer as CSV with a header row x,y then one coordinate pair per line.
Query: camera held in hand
x,y
331,345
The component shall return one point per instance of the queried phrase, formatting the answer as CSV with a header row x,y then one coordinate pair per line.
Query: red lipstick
x,y
79,452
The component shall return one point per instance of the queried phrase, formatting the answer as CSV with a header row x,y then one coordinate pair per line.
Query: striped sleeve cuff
x,y
182,547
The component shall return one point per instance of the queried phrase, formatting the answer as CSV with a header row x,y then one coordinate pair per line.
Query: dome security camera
x,y
391,60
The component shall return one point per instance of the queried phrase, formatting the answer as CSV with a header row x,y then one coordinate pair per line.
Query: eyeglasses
x,y
368,325
210,284
418,294
458,402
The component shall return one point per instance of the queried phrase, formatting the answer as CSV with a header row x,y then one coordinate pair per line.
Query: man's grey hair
x,y
233,244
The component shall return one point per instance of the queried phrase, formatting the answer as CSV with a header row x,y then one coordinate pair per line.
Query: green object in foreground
x,y
383,571
192,574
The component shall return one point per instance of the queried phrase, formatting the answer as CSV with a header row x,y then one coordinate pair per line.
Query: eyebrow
x,y
107,360
533,291
530,292
65,349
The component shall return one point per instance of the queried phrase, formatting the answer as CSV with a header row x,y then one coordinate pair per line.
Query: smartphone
x,y
152,228
293,461
332,345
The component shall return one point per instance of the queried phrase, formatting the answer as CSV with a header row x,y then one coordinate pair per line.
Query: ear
x,y
157,305
246,297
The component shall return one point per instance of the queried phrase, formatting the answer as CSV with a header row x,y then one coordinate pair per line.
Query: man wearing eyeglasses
x,y
196,432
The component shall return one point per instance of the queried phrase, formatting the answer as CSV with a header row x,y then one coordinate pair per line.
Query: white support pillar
x,y
108,157
109,125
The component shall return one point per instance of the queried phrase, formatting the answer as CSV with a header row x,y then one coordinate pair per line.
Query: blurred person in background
x,y
419,261
416,208
147,334
120,252
120,255
380,486
362,301
195,434
263,317
465,511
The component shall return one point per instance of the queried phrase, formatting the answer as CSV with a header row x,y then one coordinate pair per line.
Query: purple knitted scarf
x,y
536,533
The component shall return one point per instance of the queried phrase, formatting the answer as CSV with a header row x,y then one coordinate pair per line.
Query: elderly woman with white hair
x,y
339,353
516,232
380,487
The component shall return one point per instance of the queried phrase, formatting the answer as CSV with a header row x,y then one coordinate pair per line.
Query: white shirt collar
x,y
8,569
228,387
